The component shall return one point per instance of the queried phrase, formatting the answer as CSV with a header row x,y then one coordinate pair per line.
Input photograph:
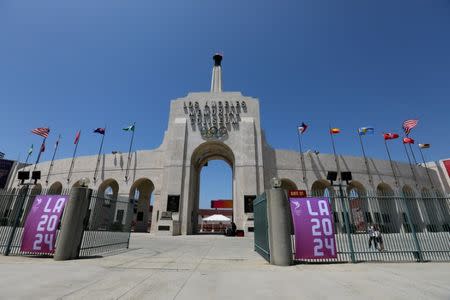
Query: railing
x,y
261,234
107,225
411,228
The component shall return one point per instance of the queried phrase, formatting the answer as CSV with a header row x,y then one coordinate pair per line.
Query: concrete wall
x,y
174,167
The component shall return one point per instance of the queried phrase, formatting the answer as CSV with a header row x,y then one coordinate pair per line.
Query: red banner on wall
x,y
447,166
221,203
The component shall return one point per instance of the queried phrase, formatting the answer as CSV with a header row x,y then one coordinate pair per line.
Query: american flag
x,y
42,131
408,125
302,128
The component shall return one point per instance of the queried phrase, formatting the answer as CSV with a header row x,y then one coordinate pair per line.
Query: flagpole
x,y
426,168
366,161
28,156
390,161
302,160
98,156
39,155
411,166
53,158
73,161
413,156
335,157
129,151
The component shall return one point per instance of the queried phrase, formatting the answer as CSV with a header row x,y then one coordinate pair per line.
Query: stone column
x,y
278,211
71,233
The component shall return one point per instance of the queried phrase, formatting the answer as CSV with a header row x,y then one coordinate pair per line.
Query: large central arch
x,y
205,152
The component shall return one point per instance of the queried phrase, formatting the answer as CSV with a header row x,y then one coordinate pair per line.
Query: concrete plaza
x,y
213,267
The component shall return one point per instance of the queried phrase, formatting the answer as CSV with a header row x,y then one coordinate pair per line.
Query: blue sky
x,y
81,64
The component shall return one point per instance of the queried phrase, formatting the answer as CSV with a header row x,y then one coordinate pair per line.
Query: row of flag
x,y
407,126
44,132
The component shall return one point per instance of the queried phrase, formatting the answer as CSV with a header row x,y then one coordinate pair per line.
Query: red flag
x,y
408,140
42,147
77,138
390,136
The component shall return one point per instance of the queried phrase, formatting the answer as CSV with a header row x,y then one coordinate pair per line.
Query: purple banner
x,y
314,228
39,233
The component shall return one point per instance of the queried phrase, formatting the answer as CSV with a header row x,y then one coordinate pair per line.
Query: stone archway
x,y
388,215
358,206
319,187
140,194
431,209
103,205
413,207
201,155
55,188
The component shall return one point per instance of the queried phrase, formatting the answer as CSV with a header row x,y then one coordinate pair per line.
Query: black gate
x,y
261,226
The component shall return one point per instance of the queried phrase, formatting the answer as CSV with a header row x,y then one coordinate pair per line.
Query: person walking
x,y
378,238
372,239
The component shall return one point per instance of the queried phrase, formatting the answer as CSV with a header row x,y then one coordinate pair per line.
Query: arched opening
x,y
387,217
206,152
108,189
102,209
358,206
287,184
357,187
36,190
215,185
76,184
320,188
431,209
55,188
413,207
140,193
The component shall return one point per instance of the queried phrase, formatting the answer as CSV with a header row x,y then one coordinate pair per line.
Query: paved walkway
x,y
213,267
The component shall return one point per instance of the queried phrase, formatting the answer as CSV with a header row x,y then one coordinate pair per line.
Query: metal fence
x,y
411,228
261,226
107,224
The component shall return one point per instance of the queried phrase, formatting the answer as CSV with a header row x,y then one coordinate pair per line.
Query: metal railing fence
x,y
411,228
261,234
107,225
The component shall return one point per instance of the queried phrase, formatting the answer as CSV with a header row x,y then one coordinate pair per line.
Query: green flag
x,y
30,150
129,128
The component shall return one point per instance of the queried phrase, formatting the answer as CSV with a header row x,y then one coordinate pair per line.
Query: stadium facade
x,y
226,125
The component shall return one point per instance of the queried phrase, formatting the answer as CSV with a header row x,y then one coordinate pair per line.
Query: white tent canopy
x,y
217,218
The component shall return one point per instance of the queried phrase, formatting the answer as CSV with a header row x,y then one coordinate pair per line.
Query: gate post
x,y
278,211
72,225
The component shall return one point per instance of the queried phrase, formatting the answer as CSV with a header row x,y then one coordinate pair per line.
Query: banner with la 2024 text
x,y
39,233
314,228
